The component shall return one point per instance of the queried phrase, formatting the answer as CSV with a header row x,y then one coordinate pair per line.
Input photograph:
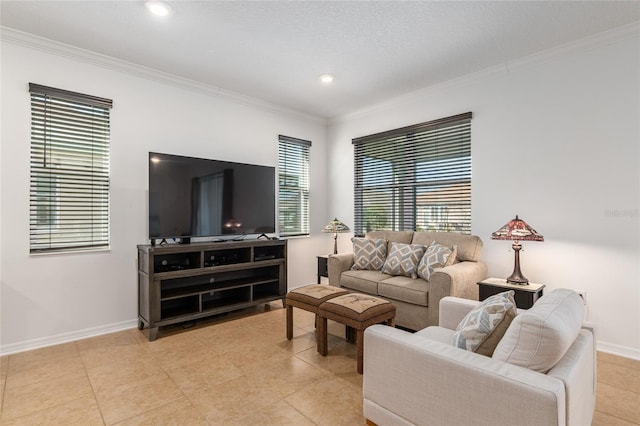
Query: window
x,y
69,191
415,178
293,186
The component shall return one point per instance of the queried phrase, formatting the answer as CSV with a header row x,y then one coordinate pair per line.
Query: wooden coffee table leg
x,y
360,343
321,335
289,310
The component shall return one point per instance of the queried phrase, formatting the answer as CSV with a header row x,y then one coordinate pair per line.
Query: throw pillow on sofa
x,y
369,254
482,328
403,259
436,256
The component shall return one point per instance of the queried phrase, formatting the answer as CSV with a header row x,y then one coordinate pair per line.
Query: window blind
x,y
69,184
293,186
415,178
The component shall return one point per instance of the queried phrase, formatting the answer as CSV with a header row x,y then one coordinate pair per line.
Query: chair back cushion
x,y
539,337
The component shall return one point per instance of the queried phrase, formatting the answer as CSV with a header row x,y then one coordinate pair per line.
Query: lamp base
x,y
516,276
517,280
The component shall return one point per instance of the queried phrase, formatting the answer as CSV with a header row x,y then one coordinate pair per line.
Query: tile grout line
x,y
93,391
4,387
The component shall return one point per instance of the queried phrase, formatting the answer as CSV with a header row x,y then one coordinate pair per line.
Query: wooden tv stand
x,y
184,282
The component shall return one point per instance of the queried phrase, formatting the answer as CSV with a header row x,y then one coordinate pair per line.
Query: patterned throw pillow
x,y
403,259
482,328
369,254
436,256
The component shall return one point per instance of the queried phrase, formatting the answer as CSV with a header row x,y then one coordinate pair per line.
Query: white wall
x,y
555,139
48,299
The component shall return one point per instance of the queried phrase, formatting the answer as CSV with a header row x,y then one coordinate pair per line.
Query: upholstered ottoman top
x,y
357,306
315,294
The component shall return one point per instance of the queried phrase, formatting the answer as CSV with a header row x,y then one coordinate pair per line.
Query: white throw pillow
x,y
403,259
369,254
482,328
539,337
436,256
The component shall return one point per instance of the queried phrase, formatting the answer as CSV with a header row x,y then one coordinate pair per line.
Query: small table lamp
x,y
517,230
335,226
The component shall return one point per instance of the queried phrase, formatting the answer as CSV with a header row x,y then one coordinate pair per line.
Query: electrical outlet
x,y
582,294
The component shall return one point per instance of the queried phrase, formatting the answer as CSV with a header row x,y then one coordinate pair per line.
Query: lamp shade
x,y
335,226
517,230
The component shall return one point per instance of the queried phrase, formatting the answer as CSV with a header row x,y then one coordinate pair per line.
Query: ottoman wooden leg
x,y
289,310
321,336
360,343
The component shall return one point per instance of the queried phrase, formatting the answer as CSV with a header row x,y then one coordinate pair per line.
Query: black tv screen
x,y
196,197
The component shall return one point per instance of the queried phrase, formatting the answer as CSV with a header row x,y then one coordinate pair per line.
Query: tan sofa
x,y
417,301
542,372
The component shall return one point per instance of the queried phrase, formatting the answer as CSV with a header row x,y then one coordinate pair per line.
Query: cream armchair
x,y
422,379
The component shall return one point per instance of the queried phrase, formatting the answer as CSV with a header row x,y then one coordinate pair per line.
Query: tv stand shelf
x,y
185,282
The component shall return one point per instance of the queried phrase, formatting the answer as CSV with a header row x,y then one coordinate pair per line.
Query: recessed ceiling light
x,y
158,8
326,78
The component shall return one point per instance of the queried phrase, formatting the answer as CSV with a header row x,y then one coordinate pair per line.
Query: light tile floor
x,y
236,369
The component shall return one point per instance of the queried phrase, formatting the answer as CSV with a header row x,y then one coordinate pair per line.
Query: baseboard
x,y
43,342
623,351
27,345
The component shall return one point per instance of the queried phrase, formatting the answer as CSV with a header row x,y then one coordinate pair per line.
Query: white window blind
x,y
293,186
69,191
415,178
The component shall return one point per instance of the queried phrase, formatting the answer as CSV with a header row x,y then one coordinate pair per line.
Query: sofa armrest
x,y
410,377
453,310
463,278
337,264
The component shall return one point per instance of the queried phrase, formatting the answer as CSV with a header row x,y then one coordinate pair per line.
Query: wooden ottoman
x,y
309,298
357,311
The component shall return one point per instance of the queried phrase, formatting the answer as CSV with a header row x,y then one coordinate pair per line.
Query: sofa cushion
x,y
364,281
469,246
403,259
539,337
482,328
369,254
404,237
405,289
436,256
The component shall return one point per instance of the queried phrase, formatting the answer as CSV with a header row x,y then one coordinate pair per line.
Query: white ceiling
x,y
275,51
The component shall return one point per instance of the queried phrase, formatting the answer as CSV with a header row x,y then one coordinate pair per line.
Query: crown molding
x,y
585,44
42,44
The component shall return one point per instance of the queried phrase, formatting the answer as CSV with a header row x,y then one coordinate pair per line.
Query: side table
x,y
525,295
323,269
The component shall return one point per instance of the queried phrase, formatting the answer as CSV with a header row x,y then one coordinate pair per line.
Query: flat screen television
x,y
196,197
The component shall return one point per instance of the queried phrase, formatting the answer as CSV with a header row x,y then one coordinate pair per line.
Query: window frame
x,y
399,174
294,158
69,195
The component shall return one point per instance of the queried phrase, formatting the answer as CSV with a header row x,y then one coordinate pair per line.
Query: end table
x,y
323,269
525,295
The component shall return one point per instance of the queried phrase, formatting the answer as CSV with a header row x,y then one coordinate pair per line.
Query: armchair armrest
x,y
410,379
453,310
337,264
